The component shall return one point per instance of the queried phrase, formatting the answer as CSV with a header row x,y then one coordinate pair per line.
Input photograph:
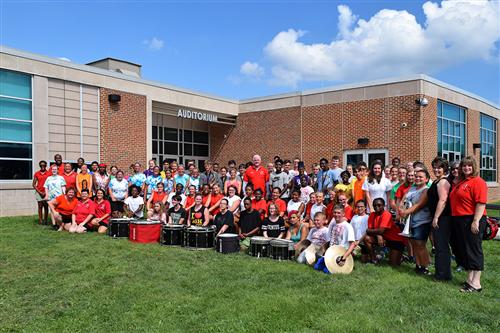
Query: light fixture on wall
x,y
363,141
422,101
476,146
114,98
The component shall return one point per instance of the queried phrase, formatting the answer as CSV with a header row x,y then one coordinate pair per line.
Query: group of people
x,y
360,208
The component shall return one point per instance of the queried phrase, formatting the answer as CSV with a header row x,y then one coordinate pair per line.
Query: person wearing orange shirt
x,y
69,175
61,209
58,161
257,175
215,200
84,181
468,210
259,204
39,179
357,184
275,199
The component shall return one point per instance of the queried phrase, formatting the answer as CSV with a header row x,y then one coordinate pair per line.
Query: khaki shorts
x,y
38,197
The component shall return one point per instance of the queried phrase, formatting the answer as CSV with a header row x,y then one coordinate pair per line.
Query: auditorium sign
x,y
183,113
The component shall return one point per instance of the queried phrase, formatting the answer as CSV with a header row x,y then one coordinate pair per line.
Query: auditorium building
x,y
105,111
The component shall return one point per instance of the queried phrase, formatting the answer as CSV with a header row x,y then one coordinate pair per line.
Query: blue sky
x,y
243,49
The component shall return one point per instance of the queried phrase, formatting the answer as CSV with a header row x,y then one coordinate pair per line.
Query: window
x,y
488,161
173,141
16,142
451,131
369,156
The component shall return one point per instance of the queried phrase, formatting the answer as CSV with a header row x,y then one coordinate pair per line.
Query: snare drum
x,y
282,249
259,247
119,227
227,243
199,238
145,231
172,235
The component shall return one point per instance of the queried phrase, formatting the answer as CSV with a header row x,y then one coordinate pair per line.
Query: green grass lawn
x,y
53,281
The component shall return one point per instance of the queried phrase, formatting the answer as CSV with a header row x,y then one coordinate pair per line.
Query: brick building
x,y
105,111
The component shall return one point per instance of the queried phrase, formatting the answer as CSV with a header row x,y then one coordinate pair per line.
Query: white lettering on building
x,y
183,113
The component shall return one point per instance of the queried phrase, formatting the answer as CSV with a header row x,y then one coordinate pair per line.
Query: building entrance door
x,y
367,155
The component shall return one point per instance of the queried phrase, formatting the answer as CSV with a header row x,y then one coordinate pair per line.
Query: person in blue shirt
x,y
325,178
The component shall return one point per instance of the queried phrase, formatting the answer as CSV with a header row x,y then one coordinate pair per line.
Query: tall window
x,y
451,131
488,148
168,142
16,144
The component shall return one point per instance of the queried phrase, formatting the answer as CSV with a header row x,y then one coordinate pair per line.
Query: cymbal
x,y
331,256
311,254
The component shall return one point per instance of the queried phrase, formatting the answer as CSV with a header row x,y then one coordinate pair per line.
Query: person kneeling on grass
x,y
249,224
382,231
317,239
82,214
340,233
102,213
133,205
61,209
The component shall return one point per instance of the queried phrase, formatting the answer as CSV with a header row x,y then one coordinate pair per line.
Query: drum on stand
x,y
259,247
119,227
227,243
172,234
282,249
142,231
199,238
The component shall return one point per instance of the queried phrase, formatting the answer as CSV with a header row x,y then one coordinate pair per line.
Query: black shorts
x,y
395,245
117,206
103,224
66,218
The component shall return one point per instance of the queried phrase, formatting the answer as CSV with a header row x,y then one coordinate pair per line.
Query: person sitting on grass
x,y
273,225
158,213
340,233
317,239
298,231
83,213
176,213
224,220
382,231
249,224
102,212
134,204
61,209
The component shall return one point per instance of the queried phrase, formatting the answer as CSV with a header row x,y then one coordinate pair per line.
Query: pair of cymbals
x,y
332,254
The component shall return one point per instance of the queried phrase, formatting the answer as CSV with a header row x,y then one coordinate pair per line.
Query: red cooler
x,y
145,231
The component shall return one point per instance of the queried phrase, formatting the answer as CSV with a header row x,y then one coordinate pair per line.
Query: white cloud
x,y
390,43
154,43
252,69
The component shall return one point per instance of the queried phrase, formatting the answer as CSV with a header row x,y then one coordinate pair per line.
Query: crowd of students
x,y
359,208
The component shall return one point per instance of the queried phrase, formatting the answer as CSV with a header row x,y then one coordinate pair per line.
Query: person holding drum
x,y
102,212
298,231
224,220
118,192
249,224
83,213
134,204
61,209
198,214
158,213
273,225
176,214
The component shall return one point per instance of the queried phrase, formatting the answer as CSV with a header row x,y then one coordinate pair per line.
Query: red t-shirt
x,y
328,211
41,177
385,221
348,212
280,203
189,201
465,195
70,179
157,197
64,206
102,209
205,198
308,209
84,209
402,189
257,177
215,199
261,204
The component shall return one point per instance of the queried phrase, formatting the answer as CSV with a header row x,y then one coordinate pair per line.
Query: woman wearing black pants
x,y
439,207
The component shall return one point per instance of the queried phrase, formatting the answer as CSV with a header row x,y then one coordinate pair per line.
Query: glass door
x,y
367,155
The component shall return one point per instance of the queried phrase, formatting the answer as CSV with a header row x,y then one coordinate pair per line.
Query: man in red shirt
x,y
259,204
383,231
38,184
59,163
82,214
257,175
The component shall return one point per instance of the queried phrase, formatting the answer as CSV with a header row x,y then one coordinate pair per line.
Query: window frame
x,y
440,119
33,153
494,144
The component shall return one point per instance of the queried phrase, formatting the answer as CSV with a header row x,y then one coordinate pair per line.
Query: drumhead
x,y
122,219
228,235
144,222
280,242
173,226
259,240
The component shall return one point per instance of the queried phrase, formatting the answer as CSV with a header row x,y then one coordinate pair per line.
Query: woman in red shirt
x,y
102,213
468,202
159,195
69,175
61,209
83,213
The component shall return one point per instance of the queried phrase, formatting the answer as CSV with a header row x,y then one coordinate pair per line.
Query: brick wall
x,y
123,129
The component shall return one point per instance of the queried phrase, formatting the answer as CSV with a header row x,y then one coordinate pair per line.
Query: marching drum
x,y
145,231
172,235
282,249
259,247
227,243
199,238
119,227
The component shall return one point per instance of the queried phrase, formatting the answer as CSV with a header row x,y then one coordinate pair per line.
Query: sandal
x,y
470,289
